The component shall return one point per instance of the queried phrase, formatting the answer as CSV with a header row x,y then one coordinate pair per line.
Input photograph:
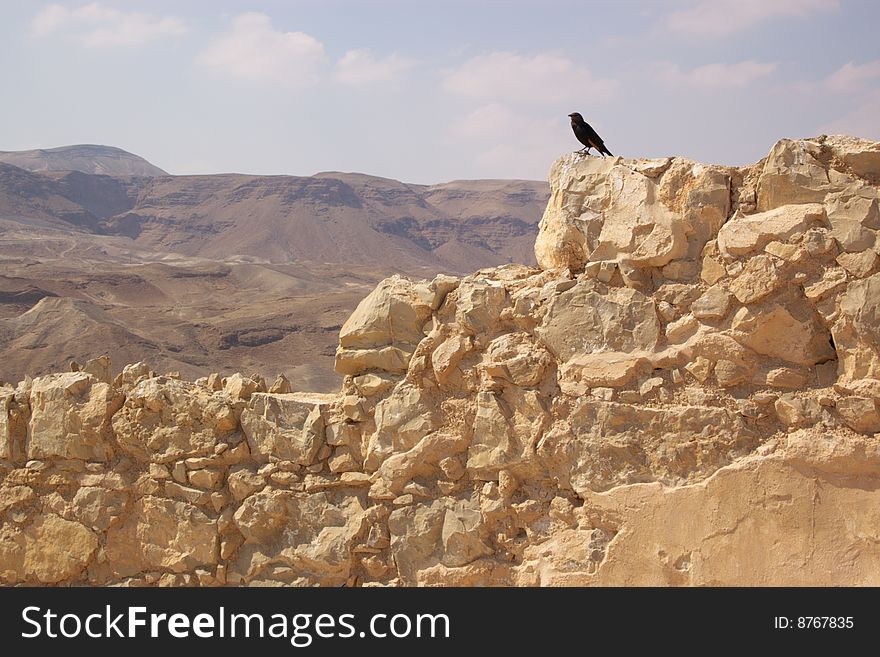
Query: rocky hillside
x,y
344,218
229,272
85,158
684,393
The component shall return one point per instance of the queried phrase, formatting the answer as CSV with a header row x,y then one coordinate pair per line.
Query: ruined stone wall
x,y
685,393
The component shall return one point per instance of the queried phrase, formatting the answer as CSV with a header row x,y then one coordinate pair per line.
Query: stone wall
x,y
685,393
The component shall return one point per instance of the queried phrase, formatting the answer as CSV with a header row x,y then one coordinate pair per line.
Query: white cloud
x,y
512,143
717,18
363,67
253,49
545,77
94,25
711,76
854,77
492,122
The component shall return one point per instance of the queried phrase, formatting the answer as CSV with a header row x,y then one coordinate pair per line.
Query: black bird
x,y
587,136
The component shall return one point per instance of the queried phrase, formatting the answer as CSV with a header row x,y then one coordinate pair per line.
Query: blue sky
x,y
433,91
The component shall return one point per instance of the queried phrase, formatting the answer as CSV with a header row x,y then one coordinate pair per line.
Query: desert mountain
x,y
86,158
233,271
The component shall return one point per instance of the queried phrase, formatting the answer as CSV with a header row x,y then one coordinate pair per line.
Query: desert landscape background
x,y
101,252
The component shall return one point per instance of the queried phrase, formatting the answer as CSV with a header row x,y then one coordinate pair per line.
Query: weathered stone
x,y
713,271
312,534
787,252
730,373
48,550
589,318
832,281
242,482
416,537
281,385
208,478
460,535
857,330
779,334
854,217
860,414
273,425
100,368
70,416
165,419
392,314
761,276
797,411
515,357
622,214
479,305
793,173
606,368
239,386
385,359
744,234
861,264
784,377
700,368
402,419
161,534
98,508
370,385
504,432
606,444
714,304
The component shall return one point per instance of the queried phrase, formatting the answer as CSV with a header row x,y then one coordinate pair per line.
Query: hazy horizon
x,y
428,92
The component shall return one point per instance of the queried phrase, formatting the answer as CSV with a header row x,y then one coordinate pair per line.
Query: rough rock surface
x,y
685,393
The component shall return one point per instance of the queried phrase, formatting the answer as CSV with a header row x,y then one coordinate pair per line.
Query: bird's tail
x,y
606,152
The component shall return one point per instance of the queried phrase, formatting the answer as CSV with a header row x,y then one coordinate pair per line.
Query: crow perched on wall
x,y
586,135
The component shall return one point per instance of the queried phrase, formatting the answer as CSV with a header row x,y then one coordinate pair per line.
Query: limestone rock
x,y
70,416
273,425
416,537
460,535
605,369
713,304
861,264
745,234
165,419
48,550
761,276
590,317
856,332
506,427
311,534
281,385
613,210
161,534
779,334
386,325
860,413
606,444
402,419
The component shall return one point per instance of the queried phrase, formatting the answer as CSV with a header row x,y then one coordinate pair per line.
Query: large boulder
x,y
275,426
70,417
386,326
644,214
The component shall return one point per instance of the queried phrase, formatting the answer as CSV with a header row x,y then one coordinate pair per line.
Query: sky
x,y
432,91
